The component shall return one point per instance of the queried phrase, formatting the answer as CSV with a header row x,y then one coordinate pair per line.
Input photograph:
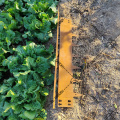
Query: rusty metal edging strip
x,y
55,76
65,79
65,98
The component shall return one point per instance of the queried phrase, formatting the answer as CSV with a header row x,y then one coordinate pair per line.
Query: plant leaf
x,y
44,92
30,114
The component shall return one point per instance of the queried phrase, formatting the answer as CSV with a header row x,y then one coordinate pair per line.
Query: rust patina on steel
x,y
55,76
65,80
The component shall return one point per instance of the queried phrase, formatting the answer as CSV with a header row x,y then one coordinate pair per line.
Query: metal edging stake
x,y
55,76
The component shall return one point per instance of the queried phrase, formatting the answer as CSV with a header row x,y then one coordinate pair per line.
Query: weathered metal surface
x,y
65,80
55,76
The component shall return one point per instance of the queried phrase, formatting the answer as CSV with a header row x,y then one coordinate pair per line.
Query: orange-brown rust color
x,y
55,76
65,86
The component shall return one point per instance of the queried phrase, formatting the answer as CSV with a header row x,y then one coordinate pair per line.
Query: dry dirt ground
x,y
98,30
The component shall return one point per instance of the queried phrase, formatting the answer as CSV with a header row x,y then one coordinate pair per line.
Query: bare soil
x,y
98,30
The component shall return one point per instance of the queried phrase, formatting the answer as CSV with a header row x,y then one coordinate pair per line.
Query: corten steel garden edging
x,y
55,76
65,79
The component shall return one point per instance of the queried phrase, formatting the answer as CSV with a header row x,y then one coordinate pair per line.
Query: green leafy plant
x,y
34,18
23,95
24,20
25,67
